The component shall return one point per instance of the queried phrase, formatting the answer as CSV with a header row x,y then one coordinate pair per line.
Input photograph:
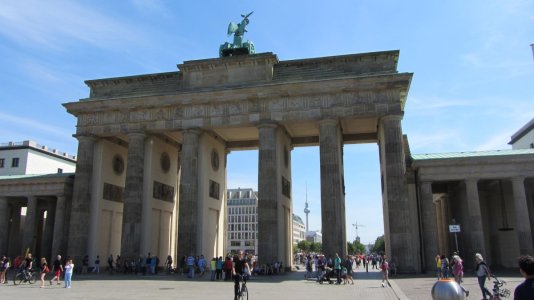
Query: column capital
x,y
391,118
471,180
267,125
136,134
329,122
518,179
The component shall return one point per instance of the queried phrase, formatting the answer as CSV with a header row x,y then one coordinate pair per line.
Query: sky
x,y
473,83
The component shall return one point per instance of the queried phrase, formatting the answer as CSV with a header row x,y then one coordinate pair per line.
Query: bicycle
x,y
243,291
28,276
498,291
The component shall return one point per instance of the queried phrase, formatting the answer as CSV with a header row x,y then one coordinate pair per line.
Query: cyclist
x,y
238,270
28,265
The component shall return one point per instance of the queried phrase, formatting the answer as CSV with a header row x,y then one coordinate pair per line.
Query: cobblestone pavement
x,y
287,286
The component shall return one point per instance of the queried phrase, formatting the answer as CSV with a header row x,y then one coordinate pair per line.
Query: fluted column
x,y
332,189
429,225
401,236
81,198
4,224
59,221
29,236
522,224
133,196
189,194
476,242
268,193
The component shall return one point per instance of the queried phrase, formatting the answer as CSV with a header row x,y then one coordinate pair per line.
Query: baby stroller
x,y
326,275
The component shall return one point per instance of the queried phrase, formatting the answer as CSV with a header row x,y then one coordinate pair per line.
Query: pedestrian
x,y
4,266
201,265
458,272
191,266
525,291
85,264
97,265
57,268
444,266
213,268
349,263
219,266
483,272
43,271
228,269
438,266
384,267
337,268
68,272
110,264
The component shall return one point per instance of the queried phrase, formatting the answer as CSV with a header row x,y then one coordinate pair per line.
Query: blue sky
x,y
473,83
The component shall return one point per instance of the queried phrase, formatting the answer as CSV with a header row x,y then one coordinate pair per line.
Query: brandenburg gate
x,y
151,172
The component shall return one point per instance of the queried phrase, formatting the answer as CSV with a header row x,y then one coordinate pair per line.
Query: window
x,y
59,170
15,162
2,162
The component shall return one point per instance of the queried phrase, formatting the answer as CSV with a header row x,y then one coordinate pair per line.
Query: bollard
x,y
447,289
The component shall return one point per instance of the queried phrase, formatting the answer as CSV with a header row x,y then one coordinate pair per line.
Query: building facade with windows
x,y
242,220
299,230
524,137
28,157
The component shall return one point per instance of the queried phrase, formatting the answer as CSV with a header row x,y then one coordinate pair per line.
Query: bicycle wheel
x,y
19,277
244,293
33,278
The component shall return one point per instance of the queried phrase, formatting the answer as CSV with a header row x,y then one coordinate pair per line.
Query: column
x,y
188,207
146,214
29,235
15,238
401,237
268,190
81,198
476,242
133,196
522,224
59,221
429,226
332,189
48,234
4,224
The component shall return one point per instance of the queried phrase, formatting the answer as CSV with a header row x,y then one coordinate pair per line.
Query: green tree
x,y
316,247
350,248
304,246
380,245
355,248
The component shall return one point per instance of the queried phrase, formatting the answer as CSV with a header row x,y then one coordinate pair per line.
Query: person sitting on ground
x,y
525,290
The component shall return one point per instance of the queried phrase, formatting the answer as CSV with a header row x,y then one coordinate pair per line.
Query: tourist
x,y
110,264
483,272
85,264
337,268
97,265
4,266
43,271
525,291
384,267
168,264
438,266
228,269
57,268
219,266
28,264
68,272
349,263
444,266
213,268
191,266
458,272
238,269
201,265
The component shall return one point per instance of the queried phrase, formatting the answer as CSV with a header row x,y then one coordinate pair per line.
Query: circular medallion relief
x,y
117,164
165,162
215,160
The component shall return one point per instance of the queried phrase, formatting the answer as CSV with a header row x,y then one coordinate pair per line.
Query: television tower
x,y
306,210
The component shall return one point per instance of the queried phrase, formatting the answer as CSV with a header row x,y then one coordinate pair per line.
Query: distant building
x,y
242,231
314,236
28,157
299,230
524,137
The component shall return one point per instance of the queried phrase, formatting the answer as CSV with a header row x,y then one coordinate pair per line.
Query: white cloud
x,y
53,24
32,125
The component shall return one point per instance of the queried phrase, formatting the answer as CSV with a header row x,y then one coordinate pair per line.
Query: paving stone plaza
x,y
288,286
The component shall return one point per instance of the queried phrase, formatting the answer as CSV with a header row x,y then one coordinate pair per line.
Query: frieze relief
x,y
240,111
